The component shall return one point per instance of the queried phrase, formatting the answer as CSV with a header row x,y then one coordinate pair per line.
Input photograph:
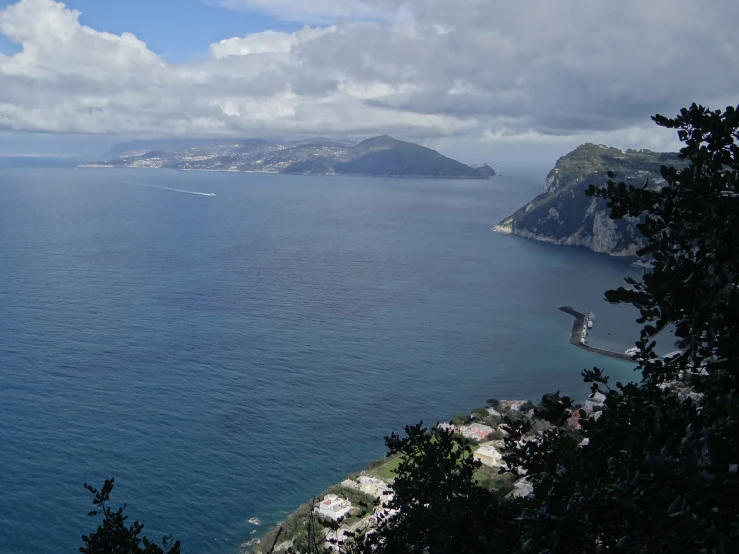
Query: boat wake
x,y
183,191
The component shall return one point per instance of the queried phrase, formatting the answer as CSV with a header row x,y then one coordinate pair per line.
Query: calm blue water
x,y
227,357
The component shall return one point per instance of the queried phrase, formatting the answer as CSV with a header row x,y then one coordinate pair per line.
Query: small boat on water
x,y
255,521
591,320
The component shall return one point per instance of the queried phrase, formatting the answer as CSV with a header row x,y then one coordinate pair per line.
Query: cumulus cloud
x,y
266,42
492,71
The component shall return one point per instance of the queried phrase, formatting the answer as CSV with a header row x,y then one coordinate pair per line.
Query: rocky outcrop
x,y
564,215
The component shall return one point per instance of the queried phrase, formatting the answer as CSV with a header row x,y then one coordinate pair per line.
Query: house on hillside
x,y
595,402
476,431
380,514
513,405
574,420
333,507
489,455
373,486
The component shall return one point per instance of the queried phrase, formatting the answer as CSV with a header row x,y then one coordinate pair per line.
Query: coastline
x,y
630,258
377,478
483,428
376,175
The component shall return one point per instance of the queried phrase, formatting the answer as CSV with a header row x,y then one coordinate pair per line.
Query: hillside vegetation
x,y
563,214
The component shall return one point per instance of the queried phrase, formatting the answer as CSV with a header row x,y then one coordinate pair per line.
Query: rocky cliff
x,y
563,214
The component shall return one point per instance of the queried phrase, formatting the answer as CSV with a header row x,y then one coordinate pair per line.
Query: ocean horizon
x,y
228,345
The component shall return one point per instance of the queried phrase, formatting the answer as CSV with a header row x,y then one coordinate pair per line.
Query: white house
x,y
475,431
514,405
446,426
595,402
372,486
489,455
333,507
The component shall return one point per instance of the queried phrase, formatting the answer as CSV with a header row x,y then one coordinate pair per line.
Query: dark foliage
x,y
113,536
659,471
439,500
460,419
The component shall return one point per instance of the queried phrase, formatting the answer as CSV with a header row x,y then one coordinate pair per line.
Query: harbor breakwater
x,y
579,334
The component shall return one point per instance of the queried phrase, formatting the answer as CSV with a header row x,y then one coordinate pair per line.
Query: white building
x,y
489,455
513,405
333,507
595,402
475,431
373,486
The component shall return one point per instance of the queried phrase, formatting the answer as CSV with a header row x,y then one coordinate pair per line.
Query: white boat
x,y
255,521
591,320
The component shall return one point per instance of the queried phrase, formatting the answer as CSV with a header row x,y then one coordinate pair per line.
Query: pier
x,y
579,332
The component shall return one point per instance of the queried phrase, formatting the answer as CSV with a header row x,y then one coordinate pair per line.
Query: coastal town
x,y
362,501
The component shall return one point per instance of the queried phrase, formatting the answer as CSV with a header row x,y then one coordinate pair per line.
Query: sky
x,y
479,80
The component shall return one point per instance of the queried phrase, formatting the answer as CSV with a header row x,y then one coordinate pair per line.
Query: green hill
x,y
385,155
563,214
380,156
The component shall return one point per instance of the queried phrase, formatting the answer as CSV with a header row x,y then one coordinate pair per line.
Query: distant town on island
x,y
380,156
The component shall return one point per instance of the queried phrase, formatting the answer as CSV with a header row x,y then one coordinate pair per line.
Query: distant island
x,y
564,215
382,156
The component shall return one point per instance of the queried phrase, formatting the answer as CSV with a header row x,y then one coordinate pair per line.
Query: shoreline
x,y
281,534
376,175
475,429
632,260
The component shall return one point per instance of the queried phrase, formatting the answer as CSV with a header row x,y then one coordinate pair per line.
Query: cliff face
x,y
564,215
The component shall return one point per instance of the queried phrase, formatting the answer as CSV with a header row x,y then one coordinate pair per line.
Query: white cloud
x,y
266,42
486,71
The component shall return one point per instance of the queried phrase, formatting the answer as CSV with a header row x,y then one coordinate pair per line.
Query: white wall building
x,y
333,507
476,431
373,486
489,455
595,402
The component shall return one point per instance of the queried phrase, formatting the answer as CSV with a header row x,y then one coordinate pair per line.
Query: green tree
x,y
658,471
460,419
113,536
442,509
480,413
493,402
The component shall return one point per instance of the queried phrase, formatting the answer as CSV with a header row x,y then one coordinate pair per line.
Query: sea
x,y
227,345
